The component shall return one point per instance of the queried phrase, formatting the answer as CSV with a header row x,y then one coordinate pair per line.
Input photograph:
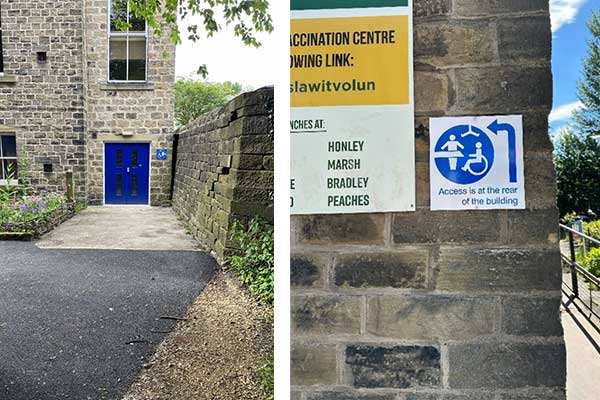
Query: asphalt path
x,y
80,324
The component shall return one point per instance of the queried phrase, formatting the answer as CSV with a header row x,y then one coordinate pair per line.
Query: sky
x,y
569,31
227,59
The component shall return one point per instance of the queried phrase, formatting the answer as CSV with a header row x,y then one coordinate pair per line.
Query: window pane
x,y
134,158
137,58
138,24
9,146
118,11
119,158
119,185
118,59
134,185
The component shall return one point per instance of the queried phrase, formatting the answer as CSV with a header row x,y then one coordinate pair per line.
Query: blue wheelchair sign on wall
x,y
477,163
161,154
464,154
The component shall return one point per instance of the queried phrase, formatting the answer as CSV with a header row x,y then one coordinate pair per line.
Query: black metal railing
x,y
583,283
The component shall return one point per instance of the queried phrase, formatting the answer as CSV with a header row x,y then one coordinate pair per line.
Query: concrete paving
x,y
80,324
124,228
582,339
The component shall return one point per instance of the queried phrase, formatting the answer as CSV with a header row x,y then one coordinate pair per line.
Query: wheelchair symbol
x,y
473,152
477,158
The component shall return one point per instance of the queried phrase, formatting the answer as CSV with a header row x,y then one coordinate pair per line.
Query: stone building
x,y
443,305
78,95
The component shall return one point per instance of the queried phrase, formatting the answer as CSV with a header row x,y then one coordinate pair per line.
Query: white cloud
x,y
564,12
227,59
564,112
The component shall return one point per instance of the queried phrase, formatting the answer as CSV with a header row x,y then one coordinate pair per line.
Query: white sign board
x,y
352,116
476,163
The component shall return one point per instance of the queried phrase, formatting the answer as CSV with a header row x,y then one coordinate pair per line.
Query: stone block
x,y
252,179
430,317
255,144
532,316
506,365
536,137
447,396
313,364
325,315
247,161
309,270
396,367
454,42
548,394
340,228
350,395
386,269
533,226
296,396
431,92
540,183
503,90
497,269
526,38
473,8
431,8
441,227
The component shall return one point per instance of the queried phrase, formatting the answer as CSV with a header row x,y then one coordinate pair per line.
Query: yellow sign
x,y
350,61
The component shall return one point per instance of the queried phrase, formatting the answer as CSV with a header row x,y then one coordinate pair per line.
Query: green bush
x,y
592,229
255,263
266,375
592,263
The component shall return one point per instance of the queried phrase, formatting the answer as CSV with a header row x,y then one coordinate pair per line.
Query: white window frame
x,y
1,48
126,35
2,158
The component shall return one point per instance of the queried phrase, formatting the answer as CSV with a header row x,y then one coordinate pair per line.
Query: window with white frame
x,y
1,51
8,157
127,49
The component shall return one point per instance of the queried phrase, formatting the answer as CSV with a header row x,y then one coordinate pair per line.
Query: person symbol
x,y
453,145
477,158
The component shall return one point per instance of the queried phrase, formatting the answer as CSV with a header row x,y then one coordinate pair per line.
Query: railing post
x,y
574,281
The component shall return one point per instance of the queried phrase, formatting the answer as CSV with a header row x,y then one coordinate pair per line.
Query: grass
x,y
267,379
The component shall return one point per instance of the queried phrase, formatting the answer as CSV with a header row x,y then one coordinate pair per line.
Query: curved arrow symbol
x,y
495,127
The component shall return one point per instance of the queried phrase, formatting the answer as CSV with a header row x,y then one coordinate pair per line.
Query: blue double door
x,y
126,173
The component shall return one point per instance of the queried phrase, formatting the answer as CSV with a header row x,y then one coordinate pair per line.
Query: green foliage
x,y
9,191
592,262
592,229
577,173
246,17
266,375
587,119
569,218
255,263
578,150
26,213
193,98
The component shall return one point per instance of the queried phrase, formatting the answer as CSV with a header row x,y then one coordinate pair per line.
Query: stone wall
x,y
224,169
41,102
443,305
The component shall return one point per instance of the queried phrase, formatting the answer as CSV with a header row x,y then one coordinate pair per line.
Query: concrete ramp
x,y
121,228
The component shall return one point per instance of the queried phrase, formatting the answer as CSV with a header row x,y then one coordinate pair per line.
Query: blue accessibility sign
x,y
161,154
464,154
477,163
